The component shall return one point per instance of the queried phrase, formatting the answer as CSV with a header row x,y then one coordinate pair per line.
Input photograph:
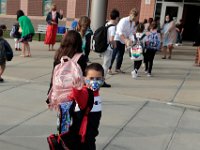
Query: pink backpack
x,y
65,76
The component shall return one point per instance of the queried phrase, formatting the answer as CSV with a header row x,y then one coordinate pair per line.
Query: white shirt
x,y
111,32
125,27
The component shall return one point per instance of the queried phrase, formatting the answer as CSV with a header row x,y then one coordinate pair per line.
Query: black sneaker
x,y
1,80
106,85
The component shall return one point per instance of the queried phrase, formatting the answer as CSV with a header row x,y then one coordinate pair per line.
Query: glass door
x,y
172,8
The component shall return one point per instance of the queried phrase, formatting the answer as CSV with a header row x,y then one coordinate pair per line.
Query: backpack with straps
x,y
6,51
69,140
100,39
2,52
64,75
136,51
14,33
153,41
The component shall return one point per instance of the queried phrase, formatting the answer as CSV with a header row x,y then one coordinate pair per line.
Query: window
x,y
158,10
3,6
46,6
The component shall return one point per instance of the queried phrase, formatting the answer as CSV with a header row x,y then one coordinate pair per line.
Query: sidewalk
x,y
156,113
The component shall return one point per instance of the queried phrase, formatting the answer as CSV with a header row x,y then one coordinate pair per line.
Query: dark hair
x,y
150,20
114,14
83,25
94,66
153,25
145,21
140,28
3,27
70,44
1,32
19,14
170,18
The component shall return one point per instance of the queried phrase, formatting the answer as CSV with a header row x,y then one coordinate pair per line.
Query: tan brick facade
x,y
12,6
124,6
76,8
147,10
35,8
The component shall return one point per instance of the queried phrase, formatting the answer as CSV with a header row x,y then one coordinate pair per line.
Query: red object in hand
x,y
80,96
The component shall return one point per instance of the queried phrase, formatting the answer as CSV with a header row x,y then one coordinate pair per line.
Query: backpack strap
x,y
90,103
110,25
142,36
76,57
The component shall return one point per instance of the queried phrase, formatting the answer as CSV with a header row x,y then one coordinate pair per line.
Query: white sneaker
x,y
134,74
148,75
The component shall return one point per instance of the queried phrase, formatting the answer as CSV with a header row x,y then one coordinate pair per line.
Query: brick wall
x,y
74,9
147,10
35,8
81,6
12,6
124,6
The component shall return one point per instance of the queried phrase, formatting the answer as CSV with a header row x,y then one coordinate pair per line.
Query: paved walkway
x,y
157,113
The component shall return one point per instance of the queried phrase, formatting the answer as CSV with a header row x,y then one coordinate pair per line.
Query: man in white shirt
x,y
124,36
107,55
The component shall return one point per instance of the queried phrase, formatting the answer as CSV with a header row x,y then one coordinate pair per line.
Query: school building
x,y
188,10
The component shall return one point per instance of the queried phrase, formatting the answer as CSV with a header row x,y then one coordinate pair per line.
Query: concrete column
x,y
98,13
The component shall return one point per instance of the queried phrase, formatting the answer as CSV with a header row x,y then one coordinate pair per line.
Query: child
x,y
14,33
93,80
152,43
3,46
139,37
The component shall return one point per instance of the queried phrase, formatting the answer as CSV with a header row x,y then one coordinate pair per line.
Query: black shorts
x,y
27,38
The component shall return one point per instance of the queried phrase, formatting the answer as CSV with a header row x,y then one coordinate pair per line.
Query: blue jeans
x,y
179,38
118,53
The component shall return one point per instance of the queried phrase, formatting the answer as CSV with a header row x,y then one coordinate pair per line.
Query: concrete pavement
x,y
157,113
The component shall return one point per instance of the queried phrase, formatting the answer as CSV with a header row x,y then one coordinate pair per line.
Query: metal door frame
x,y
172,4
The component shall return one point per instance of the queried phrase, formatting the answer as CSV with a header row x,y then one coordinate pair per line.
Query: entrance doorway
x,y
191,18
172,8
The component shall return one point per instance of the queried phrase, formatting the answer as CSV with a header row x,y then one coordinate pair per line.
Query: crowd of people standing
x,y
122,34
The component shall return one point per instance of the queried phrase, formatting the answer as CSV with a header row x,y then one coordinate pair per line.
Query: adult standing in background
x,y
85,31
52,27
124,36
168,35
179,31
27,32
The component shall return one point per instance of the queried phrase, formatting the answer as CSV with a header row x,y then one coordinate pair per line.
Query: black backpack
x,y
14,33
2,52
6,50
100,39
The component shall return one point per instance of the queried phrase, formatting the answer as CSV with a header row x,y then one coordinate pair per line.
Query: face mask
x,y
94,84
